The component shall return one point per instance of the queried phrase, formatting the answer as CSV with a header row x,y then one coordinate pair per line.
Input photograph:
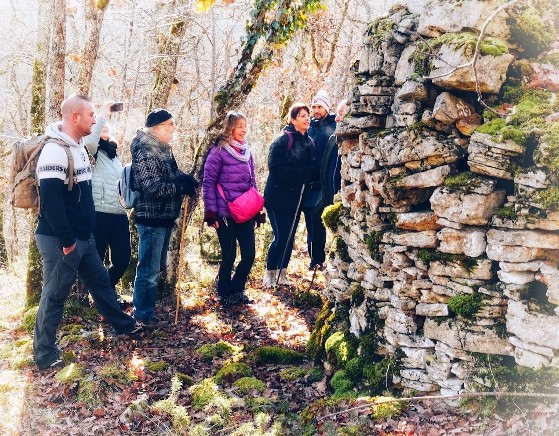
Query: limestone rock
x,y
424,239
411,145
532,327
466,208
448,108
491,70
424,179
549,275
529,359
467,125
400,322
524,238
458,335
439,17
482,270
516,253
431,309
412,90
493,158
417,221
414,357
470,241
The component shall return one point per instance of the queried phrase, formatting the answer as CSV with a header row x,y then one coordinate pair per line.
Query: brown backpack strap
x,y
70,157
70,170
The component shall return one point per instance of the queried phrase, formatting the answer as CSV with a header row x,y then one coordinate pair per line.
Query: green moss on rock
x,y
231,372
29,318
322,327
70,373
340,347
372,240
275,354
465,305
331,216
341,383
248,384
157,366
219,349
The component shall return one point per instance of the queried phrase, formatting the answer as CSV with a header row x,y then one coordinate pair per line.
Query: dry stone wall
x,y
446,233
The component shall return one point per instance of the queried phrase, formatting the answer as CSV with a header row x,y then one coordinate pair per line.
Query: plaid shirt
x,y
154,171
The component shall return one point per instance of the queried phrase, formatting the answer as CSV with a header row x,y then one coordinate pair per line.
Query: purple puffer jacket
x,y
234,176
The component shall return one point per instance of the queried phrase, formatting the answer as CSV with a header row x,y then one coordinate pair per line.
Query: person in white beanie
x,y
323,125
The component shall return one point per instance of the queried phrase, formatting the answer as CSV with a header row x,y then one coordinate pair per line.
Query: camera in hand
x,y
117,107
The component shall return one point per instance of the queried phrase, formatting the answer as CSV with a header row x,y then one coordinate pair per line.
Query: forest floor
x,y
165,383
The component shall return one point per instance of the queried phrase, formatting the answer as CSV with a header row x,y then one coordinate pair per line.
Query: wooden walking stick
x,y
181,257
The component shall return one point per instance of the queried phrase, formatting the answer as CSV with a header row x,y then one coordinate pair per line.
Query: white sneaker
x,y
270,278
283,280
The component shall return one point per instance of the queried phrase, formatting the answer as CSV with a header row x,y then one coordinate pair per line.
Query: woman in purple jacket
x,y
230,163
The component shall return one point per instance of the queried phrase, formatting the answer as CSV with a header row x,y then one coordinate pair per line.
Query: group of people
x,y
76,226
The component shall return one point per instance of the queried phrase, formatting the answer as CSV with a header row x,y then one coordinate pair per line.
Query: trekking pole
x,y
290,233
181,257
312,278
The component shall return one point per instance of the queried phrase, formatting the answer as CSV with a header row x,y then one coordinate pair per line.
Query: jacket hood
x,y
54,132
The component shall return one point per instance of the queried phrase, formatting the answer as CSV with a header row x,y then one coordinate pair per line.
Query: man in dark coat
x,y
323,125
162,187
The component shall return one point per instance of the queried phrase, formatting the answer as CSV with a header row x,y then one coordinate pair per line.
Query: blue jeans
x,y
152,259
279,252
59,273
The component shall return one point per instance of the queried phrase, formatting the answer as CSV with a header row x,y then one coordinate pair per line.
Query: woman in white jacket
x,y
112,229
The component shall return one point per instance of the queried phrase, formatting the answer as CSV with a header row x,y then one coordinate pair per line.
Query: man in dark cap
x,y
162,186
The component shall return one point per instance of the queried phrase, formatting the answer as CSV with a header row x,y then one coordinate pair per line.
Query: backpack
x,y
23,183
127,196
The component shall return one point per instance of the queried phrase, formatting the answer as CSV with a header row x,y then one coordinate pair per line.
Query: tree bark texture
x,y
94,15
166,66
34,277
57,58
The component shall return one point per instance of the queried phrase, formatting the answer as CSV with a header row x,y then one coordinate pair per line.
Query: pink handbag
x,y
246,206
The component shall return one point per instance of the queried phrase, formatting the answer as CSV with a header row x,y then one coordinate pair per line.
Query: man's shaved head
x,y
78,116
73,104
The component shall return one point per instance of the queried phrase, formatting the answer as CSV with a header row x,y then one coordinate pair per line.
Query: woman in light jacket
x,y
112,229
231,164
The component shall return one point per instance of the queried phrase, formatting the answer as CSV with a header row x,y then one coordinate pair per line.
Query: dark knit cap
x,y
157,116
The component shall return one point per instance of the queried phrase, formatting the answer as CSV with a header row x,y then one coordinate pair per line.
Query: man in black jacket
x,y
323,125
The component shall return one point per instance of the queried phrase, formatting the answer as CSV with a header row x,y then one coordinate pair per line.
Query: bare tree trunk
x,y
3,251
34,278
166,68
94,14
57,58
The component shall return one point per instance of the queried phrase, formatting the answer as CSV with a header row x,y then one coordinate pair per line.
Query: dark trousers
x,y
229,233
59,273
279,252
112,232
316,236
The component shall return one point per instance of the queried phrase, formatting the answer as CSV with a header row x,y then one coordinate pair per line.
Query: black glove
x,y
210,217
259,219
187,183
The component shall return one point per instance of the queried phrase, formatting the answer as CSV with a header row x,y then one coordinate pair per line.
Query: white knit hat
x,y
321,99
